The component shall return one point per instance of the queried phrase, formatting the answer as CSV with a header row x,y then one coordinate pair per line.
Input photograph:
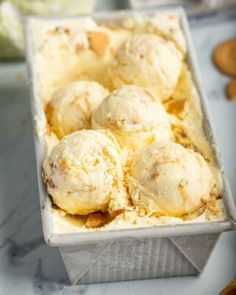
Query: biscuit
x,y
231,90
98,41
95,219
224,57
178,107
230,289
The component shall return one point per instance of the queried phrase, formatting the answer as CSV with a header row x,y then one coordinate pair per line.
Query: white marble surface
x,y
27,265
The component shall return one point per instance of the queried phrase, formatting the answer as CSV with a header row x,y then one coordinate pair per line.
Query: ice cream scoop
x,y
84,173
149,61
71,107
134,115
168,179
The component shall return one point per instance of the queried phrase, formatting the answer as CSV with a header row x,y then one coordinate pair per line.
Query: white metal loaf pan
x,y
117,235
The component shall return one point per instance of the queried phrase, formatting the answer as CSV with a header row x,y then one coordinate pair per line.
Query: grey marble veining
x,y
27,265
23,254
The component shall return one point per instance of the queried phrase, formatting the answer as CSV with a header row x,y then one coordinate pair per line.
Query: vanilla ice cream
x,y
164,24
84,173
134,115
126,172
149,61
71,107
168,179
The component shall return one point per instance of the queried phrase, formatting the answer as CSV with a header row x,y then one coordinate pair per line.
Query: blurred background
x,y
13,13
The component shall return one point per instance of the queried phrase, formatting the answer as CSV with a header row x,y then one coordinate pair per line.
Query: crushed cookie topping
x,y
98,41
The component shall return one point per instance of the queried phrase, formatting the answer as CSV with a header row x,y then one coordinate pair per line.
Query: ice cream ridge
x,y
125,148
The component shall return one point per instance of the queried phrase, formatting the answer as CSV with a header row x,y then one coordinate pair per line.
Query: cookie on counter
x,y
225,57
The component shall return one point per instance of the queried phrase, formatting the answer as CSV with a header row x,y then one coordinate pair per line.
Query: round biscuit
x,y
231,90
224,57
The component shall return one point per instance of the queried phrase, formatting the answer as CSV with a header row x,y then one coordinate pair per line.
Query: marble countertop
x,y
27,265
